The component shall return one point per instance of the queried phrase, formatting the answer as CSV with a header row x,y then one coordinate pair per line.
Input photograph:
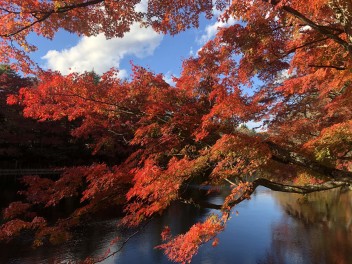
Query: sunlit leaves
x,y
284,64
242,191
183,247
238,155
334,145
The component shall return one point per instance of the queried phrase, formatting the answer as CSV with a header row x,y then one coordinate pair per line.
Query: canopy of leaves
x,y
300,53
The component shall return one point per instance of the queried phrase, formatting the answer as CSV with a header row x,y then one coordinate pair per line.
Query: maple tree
x,y
295,59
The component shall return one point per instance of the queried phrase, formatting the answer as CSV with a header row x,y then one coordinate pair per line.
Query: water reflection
x,y
272,227
317,228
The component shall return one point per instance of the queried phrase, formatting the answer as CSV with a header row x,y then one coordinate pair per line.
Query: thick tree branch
x,y
274,186
326,31
321,29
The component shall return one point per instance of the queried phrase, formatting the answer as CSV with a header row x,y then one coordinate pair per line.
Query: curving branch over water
x,y
274,186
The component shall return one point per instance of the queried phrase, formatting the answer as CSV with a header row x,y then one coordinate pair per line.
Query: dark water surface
x,y
272,227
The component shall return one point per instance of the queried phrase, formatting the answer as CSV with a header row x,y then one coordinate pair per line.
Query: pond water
x,y
272,227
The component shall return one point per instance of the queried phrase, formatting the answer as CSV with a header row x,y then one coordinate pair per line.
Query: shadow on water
x,y
272,227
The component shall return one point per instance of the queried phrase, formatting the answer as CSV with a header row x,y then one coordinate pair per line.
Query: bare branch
x,y
232,183
123,243
339,68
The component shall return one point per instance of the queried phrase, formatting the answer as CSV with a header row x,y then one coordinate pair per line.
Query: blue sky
x,y
161,53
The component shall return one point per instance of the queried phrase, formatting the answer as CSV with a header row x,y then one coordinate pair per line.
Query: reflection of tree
x,y
329,208
316,229
92,238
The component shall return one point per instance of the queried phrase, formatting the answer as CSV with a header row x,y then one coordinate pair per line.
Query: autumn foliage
x,y
284,64
183,247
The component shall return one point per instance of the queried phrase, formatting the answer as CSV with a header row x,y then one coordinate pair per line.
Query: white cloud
x,y
283,76
168,78
99,54
142,6
305,29
191,52
257,126
211,30
122,74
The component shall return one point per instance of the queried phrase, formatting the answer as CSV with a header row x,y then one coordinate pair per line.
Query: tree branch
x,y
46,14
99,102
301,46
284,156
9,11
123,243
231,183
274,186
339,68
321,29
119,109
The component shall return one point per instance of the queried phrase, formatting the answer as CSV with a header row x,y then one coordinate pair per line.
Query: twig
x,y
123,243
232,183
